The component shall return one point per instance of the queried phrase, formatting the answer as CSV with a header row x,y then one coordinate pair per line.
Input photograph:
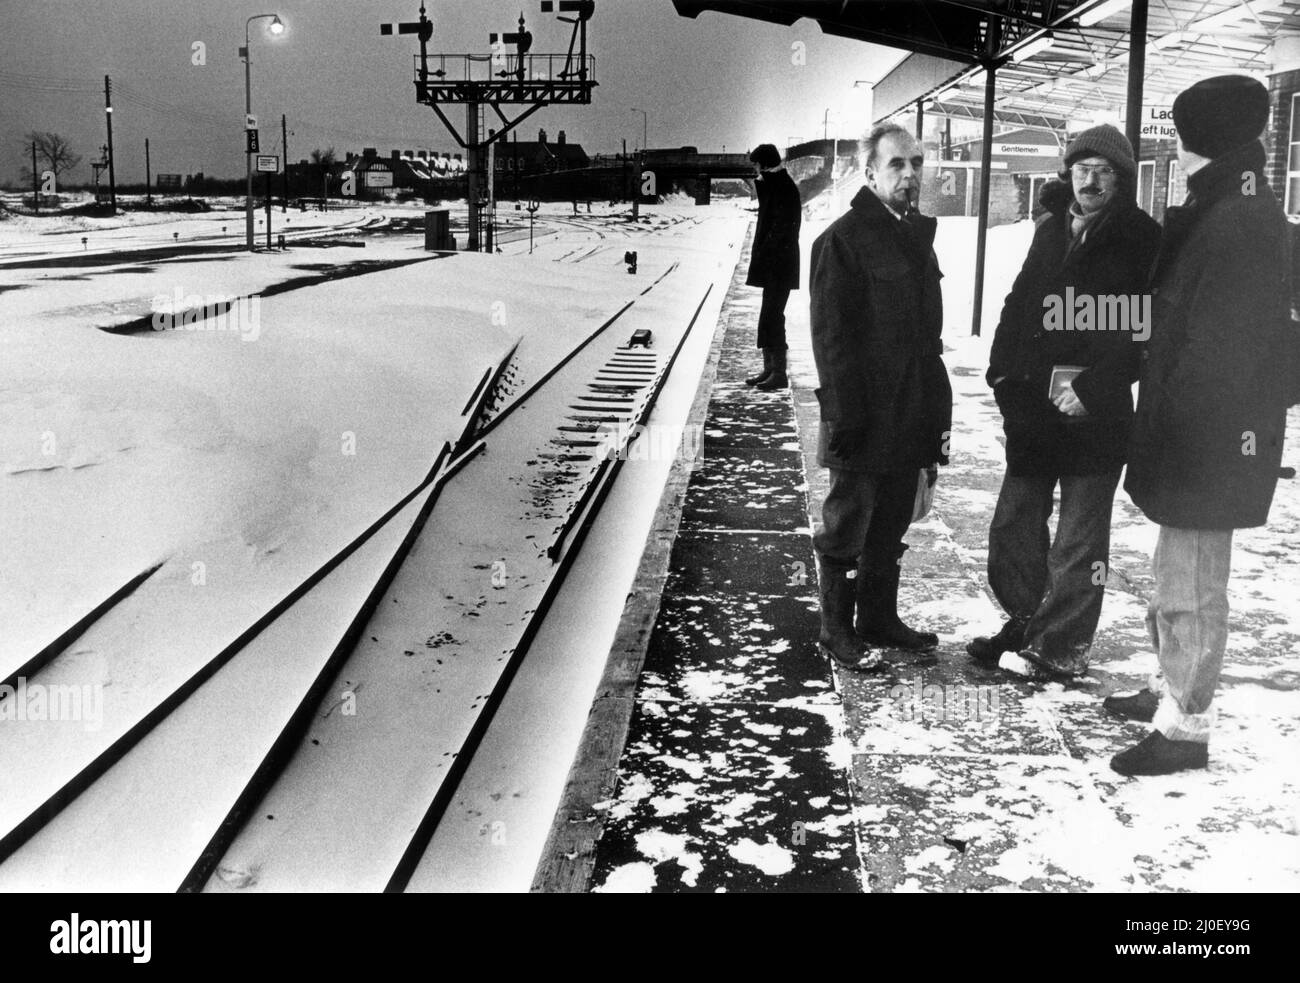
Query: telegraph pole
x,y
108,117
284,142
36,181
148,179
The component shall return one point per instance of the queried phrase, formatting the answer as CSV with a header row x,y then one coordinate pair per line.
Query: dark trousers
x,y
771,318
865,517
1058,586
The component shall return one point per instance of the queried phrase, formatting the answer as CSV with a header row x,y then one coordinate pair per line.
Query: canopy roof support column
x,y
920,118
986,174
1137,47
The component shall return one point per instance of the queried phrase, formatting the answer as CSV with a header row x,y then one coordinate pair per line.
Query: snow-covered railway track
x,y
324,693
15,669
82,759
360,801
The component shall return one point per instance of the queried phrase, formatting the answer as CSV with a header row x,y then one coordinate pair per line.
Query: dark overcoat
x,y
877,318
774,257
1211,413
1112,261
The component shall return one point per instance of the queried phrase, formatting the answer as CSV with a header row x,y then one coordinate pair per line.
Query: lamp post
x,y
645,126
277,28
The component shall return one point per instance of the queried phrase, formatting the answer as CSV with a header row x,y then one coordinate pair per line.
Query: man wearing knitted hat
x,y
1207,438
1094,246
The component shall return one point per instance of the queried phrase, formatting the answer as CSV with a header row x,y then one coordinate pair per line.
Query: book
x,y
1061,374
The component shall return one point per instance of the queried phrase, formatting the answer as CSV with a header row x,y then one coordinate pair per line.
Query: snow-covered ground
x,y
241,459
242,455
24,238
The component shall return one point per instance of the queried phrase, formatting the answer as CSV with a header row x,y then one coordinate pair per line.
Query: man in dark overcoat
x,y
774,261
1079,305
886,403
1211,412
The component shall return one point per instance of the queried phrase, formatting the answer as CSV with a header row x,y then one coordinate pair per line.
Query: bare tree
x,y
51,150
323,158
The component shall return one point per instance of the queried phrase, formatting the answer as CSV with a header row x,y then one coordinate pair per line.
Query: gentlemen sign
x,y
1025,150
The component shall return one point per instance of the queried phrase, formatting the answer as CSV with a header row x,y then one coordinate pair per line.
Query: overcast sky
x,y
713,81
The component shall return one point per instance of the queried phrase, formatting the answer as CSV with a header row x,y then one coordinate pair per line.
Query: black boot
x,y
1140,706
838,584
1158,755
778,379
877,603
1010,638
754,380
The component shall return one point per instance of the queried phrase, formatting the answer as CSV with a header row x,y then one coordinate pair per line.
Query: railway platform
x,y
722,754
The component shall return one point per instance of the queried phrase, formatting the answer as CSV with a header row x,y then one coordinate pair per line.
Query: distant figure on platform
x,y
1211,412
886,403
1064,387
774,261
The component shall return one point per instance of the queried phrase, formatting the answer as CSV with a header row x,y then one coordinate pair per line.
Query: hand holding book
x,y
1061,390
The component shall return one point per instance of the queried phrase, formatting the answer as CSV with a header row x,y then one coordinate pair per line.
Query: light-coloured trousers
x,y
1188,622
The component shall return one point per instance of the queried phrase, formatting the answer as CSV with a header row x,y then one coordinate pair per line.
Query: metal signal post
x,y
497,79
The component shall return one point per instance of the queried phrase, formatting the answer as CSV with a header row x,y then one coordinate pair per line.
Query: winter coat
x,y
774,259
1211,414
877,317
1112,260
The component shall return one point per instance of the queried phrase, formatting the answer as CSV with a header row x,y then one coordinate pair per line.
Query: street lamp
x,y
276,28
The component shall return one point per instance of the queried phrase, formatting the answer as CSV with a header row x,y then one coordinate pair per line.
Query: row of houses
x,y
425,171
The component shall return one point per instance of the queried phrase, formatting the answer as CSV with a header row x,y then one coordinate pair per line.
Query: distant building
x,y
414,170
527,157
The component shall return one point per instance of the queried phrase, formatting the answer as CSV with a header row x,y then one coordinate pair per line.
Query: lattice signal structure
x,y
501,77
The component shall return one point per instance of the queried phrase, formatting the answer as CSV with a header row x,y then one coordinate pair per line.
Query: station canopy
x,y
1058,63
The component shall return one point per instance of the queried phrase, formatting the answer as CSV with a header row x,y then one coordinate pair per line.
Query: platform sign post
x,y
268,164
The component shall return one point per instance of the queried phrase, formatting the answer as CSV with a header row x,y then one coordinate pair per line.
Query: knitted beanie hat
x,y
1220,114
1104,141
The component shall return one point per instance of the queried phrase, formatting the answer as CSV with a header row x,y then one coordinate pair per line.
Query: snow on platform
x,y
960,778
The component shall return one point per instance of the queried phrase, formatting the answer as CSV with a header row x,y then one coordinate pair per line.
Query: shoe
x,y
778,378
1031,665
877,610
1140,706
1052,669
1010,637
838,586
754,380
1158,755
